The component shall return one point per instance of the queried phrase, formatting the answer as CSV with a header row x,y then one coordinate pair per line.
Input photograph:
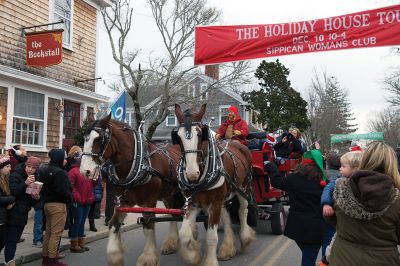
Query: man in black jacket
x,y
56,193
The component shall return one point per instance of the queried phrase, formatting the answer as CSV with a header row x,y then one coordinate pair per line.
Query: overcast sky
x,y
360,71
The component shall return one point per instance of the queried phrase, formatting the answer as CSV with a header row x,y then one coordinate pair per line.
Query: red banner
x,y
218,44
44,48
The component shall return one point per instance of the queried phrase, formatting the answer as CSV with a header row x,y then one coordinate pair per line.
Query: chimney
x,y
212,71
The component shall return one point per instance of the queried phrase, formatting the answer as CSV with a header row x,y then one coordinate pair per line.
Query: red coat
x,y
82,188
238,124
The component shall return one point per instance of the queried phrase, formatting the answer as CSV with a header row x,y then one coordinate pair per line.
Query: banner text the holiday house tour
x,y
379,27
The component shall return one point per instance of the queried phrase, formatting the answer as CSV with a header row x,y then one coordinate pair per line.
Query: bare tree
x,y
329,109
176,21
392,85
388,122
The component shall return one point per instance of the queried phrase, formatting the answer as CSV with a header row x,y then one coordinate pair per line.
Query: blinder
x,y
176,139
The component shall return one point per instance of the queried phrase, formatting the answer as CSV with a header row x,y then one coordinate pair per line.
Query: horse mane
x,y
99,122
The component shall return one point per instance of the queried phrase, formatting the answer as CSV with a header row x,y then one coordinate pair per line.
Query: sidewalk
x,y
30,253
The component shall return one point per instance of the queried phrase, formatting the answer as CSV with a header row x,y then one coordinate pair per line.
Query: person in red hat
x,y
234,127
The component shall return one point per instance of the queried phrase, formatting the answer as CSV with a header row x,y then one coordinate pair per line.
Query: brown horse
x,y
143,173
208,174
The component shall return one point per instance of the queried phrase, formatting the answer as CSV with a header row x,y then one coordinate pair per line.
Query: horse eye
x,y
86,138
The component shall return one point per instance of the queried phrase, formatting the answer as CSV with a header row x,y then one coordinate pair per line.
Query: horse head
x,y
191,134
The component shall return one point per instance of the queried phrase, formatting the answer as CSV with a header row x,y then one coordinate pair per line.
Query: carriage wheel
x,y
278,220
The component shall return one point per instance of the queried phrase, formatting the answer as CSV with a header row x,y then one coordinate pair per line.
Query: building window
x,y
28,120
191,91
171,119
203,92
223,113
63,9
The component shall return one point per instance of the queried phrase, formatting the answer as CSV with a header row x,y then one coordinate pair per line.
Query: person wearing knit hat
x,y
234,127
6,199
23,175
18,154
305,223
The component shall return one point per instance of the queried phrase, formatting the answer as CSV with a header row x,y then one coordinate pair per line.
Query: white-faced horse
x,y
142,174
208,174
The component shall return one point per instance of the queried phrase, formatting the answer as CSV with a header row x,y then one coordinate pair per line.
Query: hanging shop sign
x,y
219,44
44,48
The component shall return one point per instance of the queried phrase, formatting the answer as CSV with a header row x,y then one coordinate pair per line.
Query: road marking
x,y
278,253
265,252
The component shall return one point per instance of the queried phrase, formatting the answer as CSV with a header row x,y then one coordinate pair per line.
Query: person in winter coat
x,y
305,223
234,127
56,193
6,199
348,162
23,175
94,211
289,145
18,154
82,198
367,211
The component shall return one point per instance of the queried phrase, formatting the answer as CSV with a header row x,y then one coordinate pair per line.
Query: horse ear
x,y
197,117
178,113
104,121
202,110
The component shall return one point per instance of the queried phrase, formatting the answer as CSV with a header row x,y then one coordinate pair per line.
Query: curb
x,y
90,238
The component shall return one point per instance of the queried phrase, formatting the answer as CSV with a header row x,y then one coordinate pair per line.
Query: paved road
x,y
268,250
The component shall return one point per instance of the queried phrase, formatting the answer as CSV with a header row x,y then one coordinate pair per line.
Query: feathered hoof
x,y
147,260
226,252
247,239
190,252
211,263
170,246
115,259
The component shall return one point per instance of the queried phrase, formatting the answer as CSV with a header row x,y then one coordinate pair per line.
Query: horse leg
x,y
214,213
170,245
227,249
247,234
189,246
114,247
150,255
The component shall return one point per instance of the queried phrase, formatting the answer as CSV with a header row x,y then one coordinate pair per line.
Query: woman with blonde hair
x,y
6,199
367,211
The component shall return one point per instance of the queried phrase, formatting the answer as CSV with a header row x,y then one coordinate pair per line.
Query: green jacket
x,y
367,209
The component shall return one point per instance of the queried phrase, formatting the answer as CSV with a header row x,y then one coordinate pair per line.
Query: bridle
x,y
105,139
212,166
139,171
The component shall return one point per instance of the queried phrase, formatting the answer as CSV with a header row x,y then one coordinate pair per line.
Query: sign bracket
x,y
37,26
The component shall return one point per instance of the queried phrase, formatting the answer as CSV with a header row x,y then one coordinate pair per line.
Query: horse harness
x,y
141,169
214,166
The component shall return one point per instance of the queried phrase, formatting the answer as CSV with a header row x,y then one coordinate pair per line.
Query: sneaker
x,y
38,245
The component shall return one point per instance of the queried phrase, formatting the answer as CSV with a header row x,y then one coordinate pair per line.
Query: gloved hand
x,y
8,199
237,132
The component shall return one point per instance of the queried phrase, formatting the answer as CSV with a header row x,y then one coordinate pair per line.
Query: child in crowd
x,y
350,162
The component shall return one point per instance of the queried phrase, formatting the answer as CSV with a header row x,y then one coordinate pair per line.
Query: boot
x,y
11,263
92,225
81,243
75,248
45,261
54,262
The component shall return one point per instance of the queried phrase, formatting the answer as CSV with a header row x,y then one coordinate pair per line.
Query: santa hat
x,y
315,157
234,110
